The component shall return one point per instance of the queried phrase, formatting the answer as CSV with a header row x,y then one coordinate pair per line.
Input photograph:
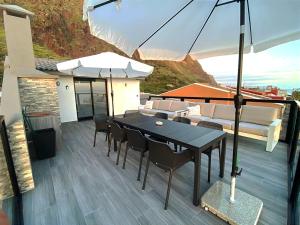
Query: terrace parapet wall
x,y
19,150
5,184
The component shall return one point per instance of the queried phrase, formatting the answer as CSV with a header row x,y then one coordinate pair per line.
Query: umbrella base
x,y
244,211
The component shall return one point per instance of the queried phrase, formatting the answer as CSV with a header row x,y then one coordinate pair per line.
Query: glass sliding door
x,y
83,95
90,97
99,97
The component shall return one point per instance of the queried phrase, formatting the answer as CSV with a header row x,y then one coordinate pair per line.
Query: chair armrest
x,y
183,112
274,129
273,135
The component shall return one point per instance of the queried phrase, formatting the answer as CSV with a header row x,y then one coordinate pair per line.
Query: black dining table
x,y
196,138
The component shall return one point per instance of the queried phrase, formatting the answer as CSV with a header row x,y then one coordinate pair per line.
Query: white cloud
x,y
263,63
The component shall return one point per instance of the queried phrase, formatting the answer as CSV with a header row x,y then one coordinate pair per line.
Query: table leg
x,y
197,171
223,156
115,145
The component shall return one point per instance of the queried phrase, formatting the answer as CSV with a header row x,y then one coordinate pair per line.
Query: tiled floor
x,y
83,186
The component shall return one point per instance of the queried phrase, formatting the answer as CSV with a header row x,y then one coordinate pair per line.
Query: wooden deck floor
x,y
83,186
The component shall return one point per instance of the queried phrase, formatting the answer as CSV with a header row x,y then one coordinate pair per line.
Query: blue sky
x,y
278,66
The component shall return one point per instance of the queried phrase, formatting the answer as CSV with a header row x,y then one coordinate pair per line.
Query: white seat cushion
x,y
148,111
171,115
258,114
197,118
226,112
253,128
227,124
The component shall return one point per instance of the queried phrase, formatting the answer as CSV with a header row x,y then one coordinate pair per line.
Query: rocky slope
x,y
60,32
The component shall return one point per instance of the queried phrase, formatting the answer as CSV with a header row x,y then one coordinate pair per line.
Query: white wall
x,y
66,97
126,95
18,41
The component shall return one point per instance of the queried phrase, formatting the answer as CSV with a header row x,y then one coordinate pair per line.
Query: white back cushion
x,y
155,104
178,105
258,114
226,112
207,109
165,105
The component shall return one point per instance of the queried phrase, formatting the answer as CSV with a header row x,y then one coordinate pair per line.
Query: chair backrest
x,y
129,113
209,124
161,115
117,132
135,139
101,122
181,119
160,154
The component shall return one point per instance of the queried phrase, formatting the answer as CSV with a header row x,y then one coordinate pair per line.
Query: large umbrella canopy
x,y
170,30
104,65
196,27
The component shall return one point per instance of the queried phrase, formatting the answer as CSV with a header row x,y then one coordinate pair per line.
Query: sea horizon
x,y
260,81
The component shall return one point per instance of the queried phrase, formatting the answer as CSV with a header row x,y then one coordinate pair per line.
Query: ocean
x,y
288,83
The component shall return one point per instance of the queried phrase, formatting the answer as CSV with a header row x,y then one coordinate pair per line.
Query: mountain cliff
x,y
59,32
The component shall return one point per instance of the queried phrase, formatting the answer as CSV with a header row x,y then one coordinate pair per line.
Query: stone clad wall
x,y
39,95
20,155
5,184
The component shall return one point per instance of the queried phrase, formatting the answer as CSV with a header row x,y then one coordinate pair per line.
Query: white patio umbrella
x,y
105,65
170,30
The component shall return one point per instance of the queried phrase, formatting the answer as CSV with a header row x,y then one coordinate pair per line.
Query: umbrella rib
x,y
77,67
165,23
194,42
125,73
104,3
250,25
100,73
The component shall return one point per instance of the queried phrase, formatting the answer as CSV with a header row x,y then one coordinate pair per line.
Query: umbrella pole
x,y
238,101
112,94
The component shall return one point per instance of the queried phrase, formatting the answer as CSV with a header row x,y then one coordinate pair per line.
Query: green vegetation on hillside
x,y
296,95
59,32
39,51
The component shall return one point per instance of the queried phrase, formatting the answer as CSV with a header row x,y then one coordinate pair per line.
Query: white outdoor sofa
x,y
171,107
256,122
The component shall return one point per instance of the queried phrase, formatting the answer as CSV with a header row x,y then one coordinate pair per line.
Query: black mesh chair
x,y
136,141
130,113
161,115
117,134
208,152
101,125
162,156
182,120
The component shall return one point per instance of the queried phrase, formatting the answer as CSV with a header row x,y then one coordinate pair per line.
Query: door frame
x,y
90,80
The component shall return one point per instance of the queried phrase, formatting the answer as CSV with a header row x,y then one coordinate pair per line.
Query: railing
x,y
17,210
291,138
294,172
